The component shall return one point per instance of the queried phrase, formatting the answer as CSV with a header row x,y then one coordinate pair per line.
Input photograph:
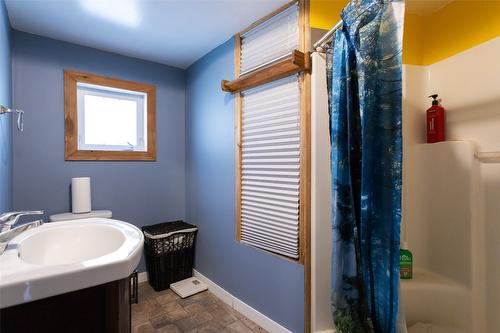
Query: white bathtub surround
x,y
321,189
429,328
451,211
60,257
441,234
401,320
451,216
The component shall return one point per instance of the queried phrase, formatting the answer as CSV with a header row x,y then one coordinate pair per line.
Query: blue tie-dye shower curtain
x,y
365,95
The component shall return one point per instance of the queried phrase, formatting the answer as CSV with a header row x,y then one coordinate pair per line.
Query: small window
x,y
271,40
108,119
111,119
272,126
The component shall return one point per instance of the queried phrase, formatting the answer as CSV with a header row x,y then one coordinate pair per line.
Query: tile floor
x,y
166,312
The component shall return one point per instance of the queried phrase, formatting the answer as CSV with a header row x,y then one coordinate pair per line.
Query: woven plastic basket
x,y
169,248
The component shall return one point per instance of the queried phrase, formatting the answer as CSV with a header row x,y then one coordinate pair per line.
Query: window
x,y
108,119
272,171
111,119
270,40
270,163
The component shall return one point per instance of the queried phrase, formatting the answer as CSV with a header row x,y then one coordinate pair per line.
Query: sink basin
x,y
61,257
70,244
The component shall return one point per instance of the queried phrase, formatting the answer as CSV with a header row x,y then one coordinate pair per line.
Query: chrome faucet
x,y
9,219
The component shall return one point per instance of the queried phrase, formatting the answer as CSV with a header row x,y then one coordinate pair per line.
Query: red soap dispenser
x,y
435,121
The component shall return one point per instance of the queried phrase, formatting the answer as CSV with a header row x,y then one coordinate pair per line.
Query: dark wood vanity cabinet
x,y
104,308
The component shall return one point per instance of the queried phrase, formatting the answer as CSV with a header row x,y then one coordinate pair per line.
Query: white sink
x,y
60,257
70,244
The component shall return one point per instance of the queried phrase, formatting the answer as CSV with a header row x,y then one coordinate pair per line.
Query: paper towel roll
x,y
80,195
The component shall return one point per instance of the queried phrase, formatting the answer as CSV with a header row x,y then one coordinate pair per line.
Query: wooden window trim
x,y
305,151
304,84
295,63
305,165
71,78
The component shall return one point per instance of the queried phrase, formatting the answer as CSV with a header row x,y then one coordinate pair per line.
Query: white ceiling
x,y
172,32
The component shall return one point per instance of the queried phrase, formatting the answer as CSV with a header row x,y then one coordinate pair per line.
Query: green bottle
x,y
405,262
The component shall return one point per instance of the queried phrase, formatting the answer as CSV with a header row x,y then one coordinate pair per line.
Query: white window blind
x,y
270,40
270,163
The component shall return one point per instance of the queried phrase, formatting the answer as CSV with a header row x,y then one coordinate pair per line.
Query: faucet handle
x,y
7,215
4,217
8,219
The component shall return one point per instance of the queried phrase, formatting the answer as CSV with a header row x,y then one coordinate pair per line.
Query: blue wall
x,y
193,177
5,120
270,284
138,192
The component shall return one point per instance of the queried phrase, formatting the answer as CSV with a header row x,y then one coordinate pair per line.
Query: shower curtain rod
x,y
318,46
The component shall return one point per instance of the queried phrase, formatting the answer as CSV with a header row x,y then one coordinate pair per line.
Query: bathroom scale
x,y
188,287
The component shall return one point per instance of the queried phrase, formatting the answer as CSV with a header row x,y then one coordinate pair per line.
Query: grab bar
x,y
488,157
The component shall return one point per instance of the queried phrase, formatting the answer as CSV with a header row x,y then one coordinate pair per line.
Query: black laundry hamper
x,y
169,249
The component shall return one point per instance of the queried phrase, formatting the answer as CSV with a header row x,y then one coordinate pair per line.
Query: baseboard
x,y
326,331
215,289
260,319
142,277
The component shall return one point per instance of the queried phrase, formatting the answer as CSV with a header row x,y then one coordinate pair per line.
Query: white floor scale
x,y
188,287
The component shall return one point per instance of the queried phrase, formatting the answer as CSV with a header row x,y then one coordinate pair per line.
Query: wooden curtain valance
x,y
297,62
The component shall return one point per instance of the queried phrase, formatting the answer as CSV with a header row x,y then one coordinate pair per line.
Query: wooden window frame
x,y
305,150
72,153
304,84
305,111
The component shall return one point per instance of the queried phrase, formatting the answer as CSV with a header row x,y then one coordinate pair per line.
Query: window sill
x,y
93,155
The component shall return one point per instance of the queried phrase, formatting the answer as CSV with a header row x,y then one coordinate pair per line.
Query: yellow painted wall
x,y
326,13
413,39
458,27
427,39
